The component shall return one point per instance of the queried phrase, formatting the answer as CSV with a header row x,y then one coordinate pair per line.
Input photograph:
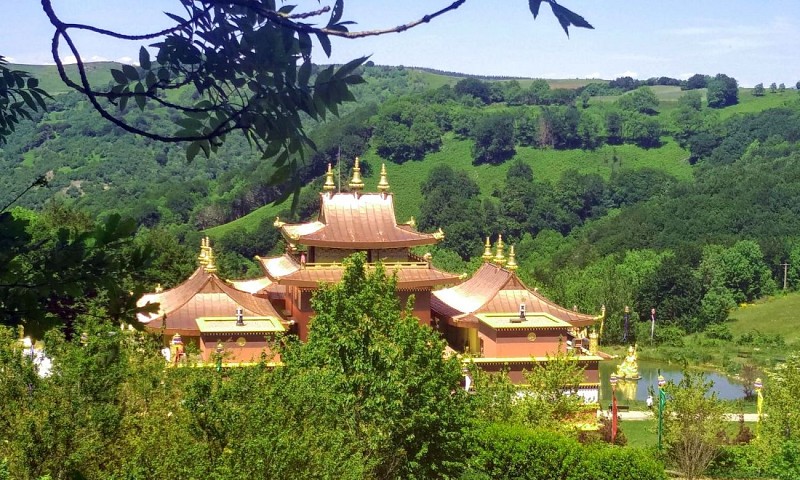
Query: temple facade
x,y
492,318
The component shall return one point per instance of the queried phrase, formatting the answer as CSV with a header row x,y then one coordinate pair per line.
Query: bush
x,y
514,452
738,461
718,331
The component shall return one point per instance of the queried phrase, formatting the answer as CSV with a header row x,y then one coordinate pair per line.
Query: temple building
x,y
348,223
492,318
504,326
213,316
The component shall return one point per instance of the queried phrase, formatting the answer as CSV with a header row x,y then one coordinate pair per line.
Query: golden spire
x,y
383,184
356,183
511,266
487,251
412,223
500,259
203,257
210,266
329,186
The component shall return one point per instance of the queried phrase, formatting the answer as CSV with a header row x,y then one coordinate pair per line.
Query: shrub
x,y
514,452
719,331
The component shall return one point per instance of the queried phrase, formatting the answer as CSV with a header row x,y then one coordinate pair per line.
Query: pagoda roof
x,y
285,270
202,295
356,220
494,290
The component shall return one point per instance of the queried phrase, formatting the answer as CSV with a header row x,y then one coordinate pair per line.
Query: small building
x,y
213,316
503,325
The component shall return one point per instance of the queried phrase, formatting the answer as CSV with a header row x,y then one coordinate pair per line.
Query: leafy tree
x,y
406,131
395,390
781,88
722,91
590,131
451,198
642,100
758,90
475,87
642,130
697,81
494,139
693,424
614,125
773,87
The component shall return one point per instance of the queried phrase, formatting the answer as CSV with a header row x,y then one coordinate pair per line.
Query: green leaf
x,y
534,6
325,42
130,72
567,18
140,98
144,58
33,82
336,15
192,150
119,77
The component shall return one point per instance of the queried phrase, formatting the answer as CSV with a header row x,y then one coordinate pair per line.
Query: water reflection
x,y
627,391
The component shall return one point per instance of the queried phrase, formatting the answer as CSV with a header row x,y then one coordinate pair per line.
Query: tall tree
x,y
394,387
722,91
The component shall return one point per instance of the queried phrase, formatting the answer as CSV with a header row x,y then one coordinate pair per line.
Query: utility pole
x,y
785,270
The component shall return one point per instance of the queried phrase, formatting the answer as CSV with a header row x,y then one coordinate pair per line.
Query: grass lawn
x,y
643,433
779,315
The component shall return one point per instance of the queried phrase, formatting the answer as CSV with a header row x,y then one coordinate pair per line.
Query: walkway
x,y
647,415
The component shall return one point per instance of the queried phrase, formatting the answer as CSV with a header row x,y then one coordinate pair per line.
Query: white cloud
x,y
127,60
70,59
627,73
10,59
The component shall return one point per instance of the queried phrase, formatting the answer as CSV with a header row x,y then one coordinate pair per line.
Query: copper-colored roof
x,y
493,289
285,271
202,295
259,286
350,220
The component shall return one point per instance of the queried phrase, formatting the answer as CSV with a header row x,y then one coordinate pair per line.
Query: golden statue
x,y
629,368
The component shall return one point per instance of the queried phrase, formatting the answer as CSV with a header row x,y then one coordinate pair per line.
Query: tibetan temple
x,y
492,316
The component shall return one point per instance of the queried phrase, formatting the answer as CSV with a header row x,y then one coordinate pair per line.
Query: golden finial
x,y
202,259
439,234
329,183
499,258
412,223
159,288
512,261
356,183
278,223
487,251
210,266
383,184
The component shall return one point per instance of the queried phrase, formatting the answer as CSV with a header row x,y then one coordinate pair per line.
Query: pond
x,y
725,387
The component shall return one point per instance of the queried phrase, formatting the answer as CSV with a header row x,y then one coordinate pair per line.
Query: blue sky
x,y
751,41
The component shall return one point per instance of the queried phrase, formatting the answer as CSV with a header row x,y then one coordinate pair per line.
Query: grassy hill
x,y
548,165
772,316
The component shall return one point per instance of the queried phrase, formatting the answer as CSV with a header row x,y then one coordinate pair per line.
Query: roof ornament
x,y
278,223
210,266
499,258
412,223
329,185
202,259
512,266
356,183
159,288
487,251
383,184
439,234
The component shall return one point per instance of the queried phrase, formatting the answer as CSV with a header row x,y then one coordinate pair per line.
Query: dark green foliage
x,y
474,87
452,204
642,100
722,91
494,139
758,90
405,130
696,81
20,98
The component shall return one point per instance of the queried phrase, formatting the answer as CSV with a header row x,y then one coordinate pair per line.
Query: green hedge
x,y
515,452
